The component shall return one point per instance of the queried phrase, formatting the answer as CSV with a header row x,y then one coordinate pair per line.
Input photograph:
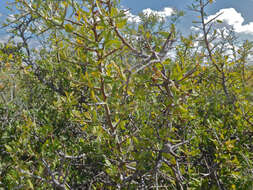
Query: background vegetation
x,y
102,103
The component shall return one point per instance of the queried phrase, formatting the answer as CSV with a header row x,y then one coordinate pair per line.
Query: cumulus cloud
x,y
166,12
234,19
132,18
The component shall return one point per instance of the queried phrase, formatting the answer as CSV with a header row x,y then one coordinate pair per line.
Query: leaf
x,y
115,43
30,184
8,148
87,115
93,95
107,162
148,35
182,109
76,113
10,56
173,161
114,12
88,80
130,93
121,24
164,34
230,144
69,28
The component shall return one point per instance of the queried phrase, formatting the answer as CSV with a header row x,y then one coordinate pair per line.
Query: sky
x,y
237,13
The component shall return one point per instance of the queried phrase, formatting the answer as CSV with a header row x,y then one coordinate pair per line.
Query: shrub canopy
x,y
90,100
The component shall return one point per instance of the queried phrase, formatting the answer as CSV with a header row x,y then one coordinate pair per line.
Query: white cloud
x,y
132,18
234,19
166,12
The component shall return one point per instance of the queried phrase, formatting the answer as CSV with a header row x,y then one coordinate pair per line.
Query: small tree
x,y
107,104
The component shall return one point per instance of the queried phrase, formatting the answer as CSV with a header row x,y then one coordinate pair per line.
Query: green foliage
x,y
106,104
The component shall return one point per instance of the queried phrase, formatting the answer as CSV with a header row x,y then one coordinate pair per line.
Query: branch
x,y
56,183
71,157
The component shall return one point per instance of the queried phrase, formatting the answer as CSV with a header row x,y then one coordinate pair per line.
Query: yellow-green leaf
x,y
8,148
69,28
87,115
93,96
30,184
121,24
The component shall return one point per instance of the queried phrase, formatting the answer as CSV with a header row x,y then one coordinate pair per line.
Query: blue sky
x,y
238,13
242,6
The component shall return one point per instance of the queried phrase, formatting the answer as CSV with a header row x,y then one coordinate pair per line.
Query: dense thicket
x,y
89,100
